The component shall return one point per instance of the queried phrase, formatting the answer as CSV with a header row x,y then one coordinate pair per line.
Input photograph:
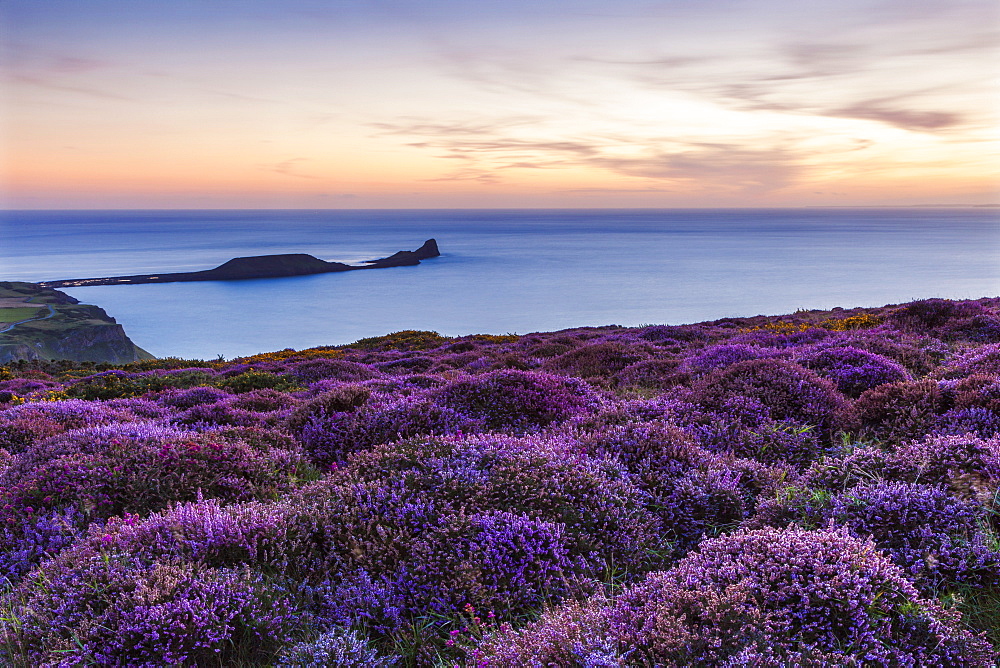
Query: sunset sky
x,y
519,103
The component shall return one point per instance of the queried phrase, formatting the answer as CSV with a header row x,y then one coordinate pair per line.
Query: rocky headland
x,y
40,323
259,266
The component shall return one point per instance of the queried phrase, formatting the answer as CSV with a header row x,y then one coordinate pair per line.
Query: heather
x,y
813,489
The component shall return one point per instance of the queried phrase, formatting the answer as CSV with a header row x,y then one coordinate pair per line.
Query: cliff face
x,y
62,329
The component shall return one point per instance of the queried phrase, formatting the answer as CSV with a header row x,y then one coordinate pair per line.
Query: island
x,y
39,323
258,266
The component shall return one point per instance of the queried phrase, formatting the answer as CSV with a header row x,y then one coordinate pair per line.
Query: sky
x,y
498,103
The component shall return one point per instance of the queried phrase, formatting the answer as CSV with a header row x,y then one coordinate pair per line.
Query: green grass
x,y
19,313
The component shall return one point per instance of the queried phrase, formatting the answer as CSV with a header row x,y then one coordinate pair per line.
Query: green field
x,y
17,314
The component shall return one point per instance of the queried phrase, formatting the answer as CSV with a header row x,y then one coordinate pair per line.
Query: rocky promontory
x,y
40,323
259,266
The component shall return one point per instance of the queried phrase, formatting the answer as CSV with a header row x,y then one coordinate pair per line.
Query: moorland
x,y
814,489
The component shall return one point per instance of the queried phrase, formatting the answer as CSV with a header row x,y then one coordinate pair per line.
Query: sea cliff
x,y
40,323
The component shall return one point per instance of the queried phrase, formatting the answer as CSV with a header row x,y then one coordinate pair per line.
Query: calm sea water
x,y
501,270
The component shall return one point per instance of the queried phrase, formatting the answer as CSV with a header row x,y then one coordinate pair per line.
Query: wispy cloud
x,y
53,83
489,153
289,168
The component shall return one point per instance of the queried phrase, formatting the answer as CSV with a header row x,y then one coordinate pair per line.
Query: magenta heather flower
x,y
516,401
117,610
756,598
787,390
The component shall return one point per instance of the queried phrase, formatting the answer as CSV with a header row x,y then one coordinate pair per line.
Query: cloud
x,y
486,155
40,81
602,191
907,119
287,168
64,64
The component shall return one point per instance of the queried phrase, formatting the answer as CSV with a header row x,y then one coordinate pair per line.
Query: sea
x,y
500,271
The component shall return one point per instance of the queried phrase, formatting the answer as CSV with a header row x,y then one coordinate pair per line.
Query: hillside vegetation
x,y
817,489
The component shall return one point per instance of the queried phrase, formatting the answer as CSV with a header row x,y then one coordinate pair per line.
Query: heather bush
x,y
853,370
723,355
340,398
784,339
968,466
979,360
263,401
223,413
929,315
409,339
489,561
744,427
545,478
789,391
331,437
936,538
611,412
975,391
106,471
23,387
195,396
672,334
979,421
516,401
981,328
112,609
337,647
327,369
25,424
597,360
657,374
275,538
407,364
695,493
137,408
897,412
755,598
23,546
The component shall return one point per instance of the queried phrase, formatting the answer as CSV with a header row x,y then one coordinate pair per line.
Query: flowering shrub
x,y
597,360
980,360
516,401
931,314
852,370
23,425
659,374
900,411
115,610
936,538
789,391
755,599
195,396
115,384
105,471
330,438
723,355
339,647
598,502
761,491
323,369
